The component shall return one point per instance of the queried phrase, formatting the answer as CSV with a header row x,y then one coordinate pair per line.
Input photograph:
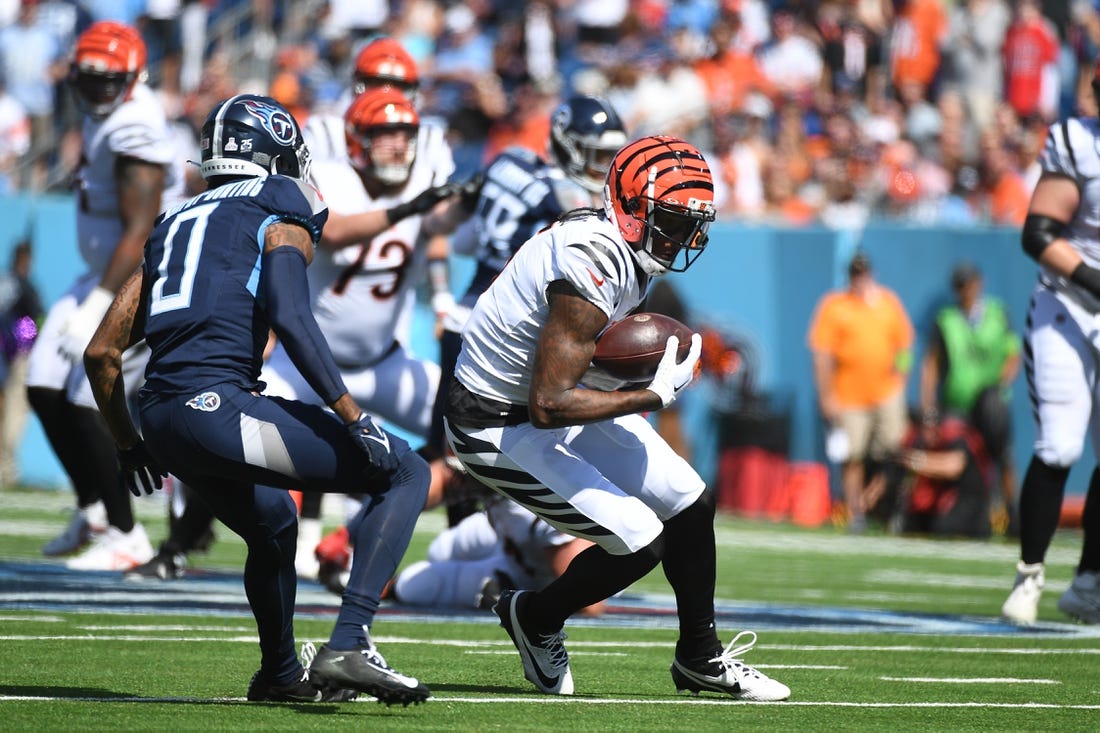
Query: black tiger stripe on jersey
x,y
602,256
1069,148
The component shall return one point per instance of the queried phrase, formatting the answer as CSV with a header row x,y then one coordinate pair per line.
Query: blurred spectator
x,y
916,40
31,61
159,24
669,97
971,360
852,52
782,202
1007,195
730,73
736,165
973,65
527,122
790,61
355,19
861,339
1030,52
15,139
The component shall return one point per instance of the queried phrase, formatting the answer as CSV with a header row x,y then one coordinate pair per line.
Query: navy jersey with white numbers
x,y
521,194
202,268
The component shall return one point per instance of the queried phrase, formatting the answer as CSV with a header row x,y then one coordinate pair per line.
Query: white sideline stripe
x,y
237,629
36,619
972,680
571,700
488,644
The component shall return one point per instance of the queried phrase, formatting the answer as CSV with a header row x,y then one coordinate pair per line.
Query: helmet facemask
x,y
669,231
384,143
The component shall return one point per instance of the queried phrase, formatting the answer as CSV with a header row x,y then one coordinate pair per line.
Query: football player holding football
x,y
585,460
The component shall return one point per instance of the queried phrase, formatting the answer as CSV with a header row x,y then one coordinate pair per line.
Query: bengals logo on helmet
x,y
382,62
660,193
373,111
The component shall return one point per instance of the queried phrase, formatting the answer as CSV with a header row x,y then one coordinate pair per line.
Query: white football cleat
x,y
86,523
1022,605
115,550
727,674
1082,599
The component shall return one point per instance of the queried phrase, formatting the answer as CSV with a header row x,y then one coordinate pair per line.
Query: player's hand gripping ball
x,y
632,348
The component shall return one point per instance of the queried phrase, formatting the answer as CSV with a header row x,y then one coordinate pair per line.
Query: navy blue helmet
x,y
252,136
585,133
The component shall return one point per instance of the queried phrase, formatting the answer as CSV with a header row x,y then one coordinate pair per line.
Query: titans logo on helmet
x,y
276,121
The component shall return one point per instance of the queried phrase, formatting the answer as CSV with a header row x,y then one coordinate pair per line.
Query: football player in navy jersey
x,y
220,270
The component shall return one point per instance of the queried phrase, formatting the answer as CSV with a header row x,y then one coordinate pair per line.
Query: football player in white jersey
x,y
130,170
373,254
381,62
1062,362
501,547
585,460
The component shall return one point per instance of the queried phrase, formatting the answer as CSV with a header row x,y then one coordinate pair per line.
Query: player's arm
x,y
121,328
1053,205
288,251
823,378
565,349
343,230
140,185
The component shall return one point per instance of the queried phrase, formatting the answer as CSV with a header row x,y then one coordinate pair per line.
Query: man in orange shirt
x,y
918,36
861,339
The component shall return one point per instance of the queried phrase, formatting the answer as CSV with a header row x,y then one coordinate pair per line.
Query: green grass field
x,y
870,632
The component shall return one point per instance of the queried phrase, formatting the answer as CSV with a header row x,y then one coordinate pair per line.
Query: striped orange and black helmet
x,y
660,193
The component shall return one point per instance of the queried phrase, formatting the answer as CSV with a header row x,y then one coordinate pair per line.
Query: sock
x,y
49,407
188,530
270,583
592,576
689,566
380,534
1040,507
311,505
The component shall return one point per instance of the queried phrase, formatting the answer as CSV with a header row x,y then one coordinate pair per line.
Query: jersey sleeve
x,y
294,200
593,262
148,142
1059,154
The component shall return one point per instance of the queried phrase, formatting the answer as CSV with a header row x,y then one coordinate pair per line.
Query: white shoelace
x,y
555,645
730,656
308,653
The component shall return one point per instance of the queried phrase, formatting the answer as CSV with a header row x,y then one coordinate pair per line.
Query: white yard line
x,y
972,680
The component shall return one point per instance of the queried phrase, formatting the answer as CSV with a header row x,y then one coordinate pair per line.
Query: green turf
x,y
174,672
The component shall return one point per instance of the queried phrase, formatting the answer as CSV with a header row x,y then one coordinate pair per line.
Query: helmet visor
x,y
676,230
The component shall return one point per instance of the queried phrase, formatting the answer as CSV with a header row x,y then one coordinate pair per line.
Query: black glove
x,y
140,471
470,191
1088,278
423,202
374,442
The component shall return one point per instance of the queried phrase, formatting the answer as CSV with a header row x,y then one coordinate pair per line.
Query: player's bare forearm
x,y
345,230
139,185
566,346
120,329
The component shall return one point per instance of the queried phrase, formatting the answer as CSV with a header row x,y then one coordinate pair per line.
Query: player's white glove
x,y
672,378
81,326
442,303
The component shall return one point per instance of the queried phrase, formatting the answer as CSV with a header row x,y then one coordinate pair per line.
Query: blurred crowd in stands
x,y
811,111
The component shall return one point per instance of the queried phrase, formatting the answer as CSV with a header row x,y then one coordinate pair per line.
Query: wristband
x,y
1088,278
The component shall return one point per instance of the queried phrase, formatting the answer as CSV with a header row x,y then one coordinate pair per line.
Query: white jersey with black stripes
x,y
500,339
1072,149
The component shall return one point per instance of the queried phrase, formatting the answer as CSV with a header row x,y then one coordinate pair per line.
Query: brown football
x,y
632,348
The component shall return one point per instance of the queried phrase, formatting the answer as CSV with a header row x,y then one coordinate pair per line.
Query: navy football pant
x,y
231,446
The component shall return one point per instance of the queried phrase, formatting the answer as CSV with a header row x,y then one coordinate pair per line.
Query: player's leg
x,y
642,463
258,440
857,424
537,469
1060,386
47,377
1082,599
